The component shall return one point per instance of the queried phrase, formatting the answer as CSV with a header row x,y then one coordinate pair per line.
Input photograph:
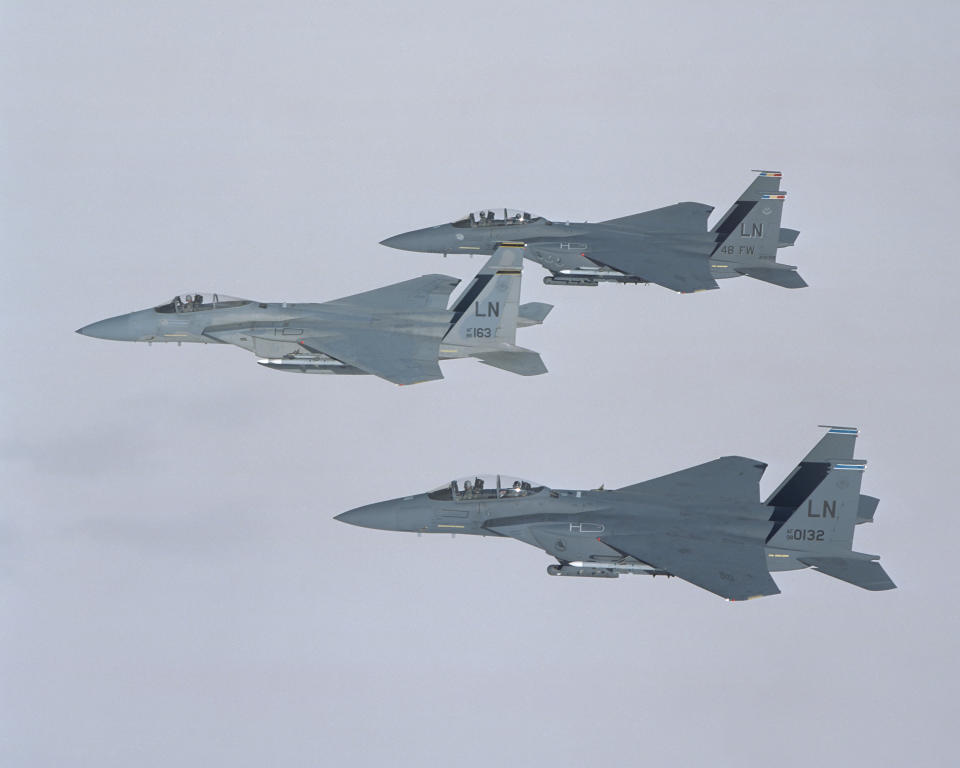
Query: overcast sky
x,y
174,590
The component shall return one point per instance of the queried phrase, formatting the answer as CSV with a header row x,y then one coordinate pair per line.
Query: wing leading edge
x,y
681,217
731,478
427,292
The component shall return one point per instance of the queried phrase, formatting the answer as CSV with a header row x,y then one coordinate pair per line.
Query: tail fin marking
x,y
488,308
824,521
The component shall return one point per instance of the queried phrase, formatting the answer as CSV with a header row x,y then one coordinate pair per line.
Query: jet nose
x,y
430,240
401,242
114,328
382,516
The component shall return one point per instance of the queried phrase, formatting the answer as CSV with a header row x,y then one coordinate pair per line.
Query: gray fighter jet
x,y
705,525
398,332
668,246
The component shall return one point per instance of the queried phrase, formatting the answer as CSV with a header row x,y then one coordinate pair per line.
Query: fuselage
x,y
566,524
278,333
572,251
195,323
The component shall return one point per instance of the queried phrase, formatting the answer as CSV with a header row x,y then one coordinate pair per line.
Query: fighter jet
x,y
668,246
398,332
705,525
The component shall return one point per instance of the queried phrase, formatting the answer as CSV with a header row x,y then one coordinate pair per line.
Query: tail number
x,y
479,333
804,534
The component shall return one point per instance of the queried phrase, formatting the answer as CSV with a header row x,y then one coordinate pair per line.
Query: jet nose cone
x,y
382,516
429,240
114,328
400,242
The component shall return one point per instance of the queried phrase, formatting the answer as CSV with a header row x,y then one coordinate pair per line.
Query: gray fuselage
x,y
565,524
272,331
566,248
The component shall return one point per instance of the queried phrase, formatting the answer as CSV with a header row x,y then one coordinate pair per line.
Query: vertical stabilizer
x,y
766,183
838,443
486,312
751,230
825,520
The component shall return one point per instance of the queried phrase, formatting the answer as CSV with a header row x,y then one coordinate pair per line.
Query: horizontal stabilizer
x,y
532,313
523,362
867,508
867,574
682,217
787,237
731,478
785,278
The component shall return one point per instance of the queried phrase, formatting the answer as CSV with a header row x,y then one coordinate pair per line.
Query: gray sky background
x,y
174,590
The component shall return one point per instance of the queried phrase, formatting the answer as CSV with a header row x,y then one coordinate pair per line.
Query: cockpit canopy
x,y
475,487
199,302
495,217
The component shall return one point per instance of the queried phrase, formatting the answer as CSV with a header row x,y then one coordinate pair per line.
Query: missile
x,y
570,570
591,281
307,365
591,278
605,571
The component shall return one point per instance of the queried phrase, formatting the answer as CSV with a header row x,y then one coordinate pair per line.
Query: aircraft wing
x,y
682,217
402,358
676,265
735,569
426,292
731,478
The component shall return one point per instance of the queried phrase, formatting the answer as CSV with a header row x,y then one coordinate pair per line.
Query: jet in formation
x,y
705,525
670,246
399,332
